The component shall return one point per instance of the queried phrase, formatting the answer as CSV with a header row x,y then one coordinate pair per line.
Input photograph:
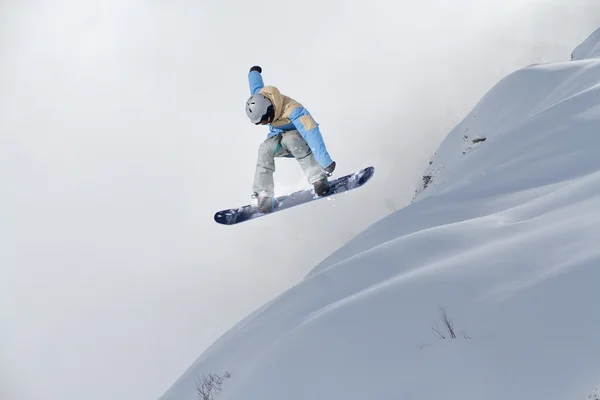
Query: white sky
x,y
122,131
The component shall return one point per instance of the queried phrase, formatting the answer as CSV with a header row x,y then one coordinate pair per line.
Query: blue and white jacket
x,y
291,115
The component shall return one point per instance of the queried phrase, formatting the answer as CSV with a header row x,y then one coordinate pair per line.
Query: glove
x,y
256,68
330,169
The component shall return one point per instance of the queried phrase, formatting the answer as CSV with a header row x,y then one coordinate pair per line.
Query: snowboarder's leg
x,y
265,167
295,144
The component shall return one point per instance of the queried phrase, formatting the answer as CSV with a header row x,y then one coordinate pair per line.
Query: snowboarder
x,y
293,133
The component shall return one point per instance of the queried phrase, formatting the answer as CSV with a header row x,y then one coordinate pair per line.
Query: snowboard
x,y
339,185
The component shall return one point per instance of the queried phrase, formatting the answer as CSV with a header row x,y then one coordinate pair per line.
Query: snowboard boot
x,y
330,169
266,204
321,187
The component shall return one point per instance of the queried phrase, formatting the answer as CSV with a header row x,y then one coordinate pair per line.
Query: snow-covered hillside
x,y
505,237
590,48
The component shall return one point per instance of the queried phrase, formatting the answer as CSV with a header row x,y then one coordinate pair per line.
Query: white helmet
x,y
259,109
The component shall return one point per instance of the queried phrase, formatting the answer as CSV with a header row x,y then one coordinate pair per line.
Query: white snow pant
x,y
286,144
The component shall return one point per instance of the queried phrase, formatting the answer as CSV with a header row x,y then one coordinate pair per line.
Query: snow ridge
x,y
590,48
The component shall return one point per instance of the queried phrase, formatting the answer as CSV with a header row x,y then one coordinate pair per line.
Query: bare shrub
x,y
447,331
448,325
426,181
211,385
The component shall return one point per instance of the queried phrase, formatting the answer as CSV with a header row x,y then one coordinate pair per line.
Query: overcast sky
x,y
122,131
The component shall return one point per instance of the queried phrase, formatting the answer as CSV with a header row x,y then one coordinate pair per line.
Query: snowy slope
x,y
590,48
505,237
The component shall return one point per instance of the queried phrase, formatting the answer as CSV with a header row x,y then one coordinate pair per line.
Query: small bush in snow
x,y
210,386
426,181
595,395
447,331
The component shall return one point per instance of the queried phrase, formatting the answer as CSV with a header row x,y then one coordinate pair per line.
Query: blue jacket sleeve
x,y
309,129
256,81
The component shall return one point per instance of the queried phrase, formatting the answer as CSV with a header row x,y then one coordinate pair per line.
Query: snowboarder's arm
x,y
309,129
255,79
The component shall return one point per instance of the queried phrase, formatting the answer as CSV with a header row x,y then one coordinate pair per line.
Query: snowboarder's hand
x,y
256,68
330,169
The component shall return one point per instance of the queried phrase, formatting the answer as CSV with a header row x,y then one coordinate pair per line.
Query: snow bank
x,y
590,48
504,236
